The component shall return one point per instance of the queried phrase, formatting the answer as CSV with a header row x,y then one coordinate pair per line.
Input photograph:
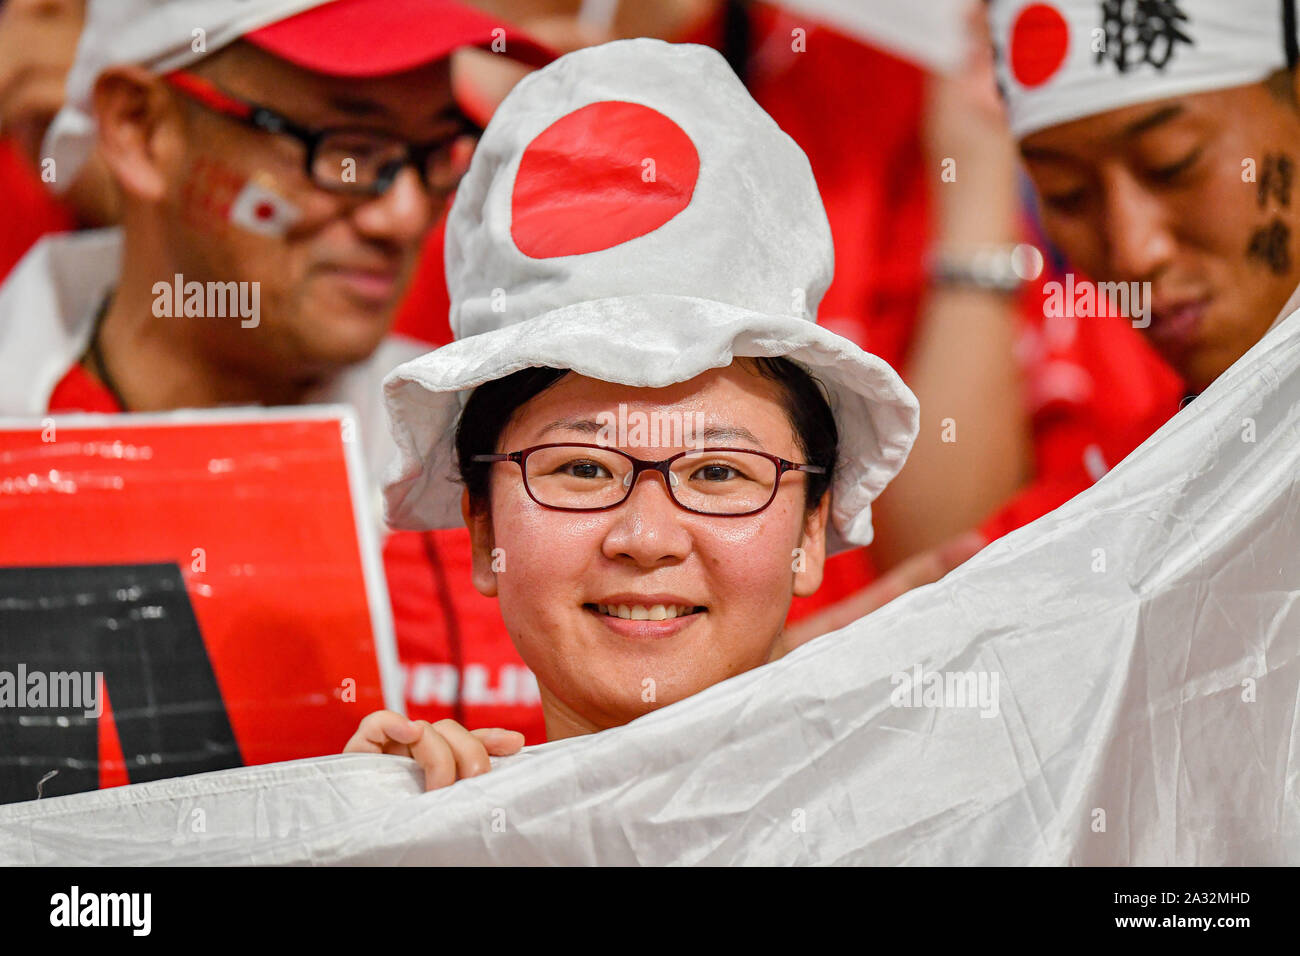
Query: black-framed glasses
x,y
724,482
355,159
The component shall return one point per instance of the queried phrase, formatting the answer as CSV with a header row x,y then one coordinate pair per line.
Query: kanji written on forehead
x,y
1142,31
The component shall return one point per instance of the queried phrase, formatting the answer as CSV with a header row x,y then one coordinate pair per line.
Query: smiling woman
x,y
633,571
629,591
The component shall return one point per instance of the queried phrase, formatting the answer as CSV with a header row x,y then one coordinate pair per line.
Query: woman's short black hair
x,y
491,405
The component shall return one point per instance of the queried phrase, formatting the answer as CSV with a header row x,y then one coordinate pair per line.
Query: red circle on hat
x,y
1040,39
602,175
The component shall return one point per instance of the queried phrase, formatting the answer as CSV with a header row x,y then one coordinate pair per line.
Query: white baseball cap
x,y
360,38
631,214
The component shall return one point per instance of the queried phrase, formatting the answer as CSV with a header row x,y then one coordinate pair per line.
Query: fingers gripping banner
x,y
1114,684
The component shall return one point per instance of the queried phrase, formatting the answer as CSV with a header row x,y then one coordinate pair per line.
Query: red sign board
x,y
220,569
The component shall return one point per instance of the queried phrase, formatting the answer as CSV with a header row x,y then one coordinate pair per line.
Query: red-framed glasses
x,y
723,482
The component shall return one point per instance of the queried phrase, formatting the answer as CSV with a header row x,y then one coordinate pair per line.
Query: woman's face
x,y
553,569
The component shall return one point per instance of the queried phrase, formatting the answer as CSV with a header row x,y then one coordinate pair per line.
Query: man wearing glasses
x,y
309,155
279,165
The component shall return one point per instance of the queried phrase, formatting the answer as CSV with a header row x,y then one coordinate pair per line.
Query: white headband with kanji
x,y
1061,60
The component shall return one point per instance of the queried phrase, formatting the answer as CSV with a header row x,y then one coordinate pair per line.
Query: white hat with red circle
x,y
631,214
1061,60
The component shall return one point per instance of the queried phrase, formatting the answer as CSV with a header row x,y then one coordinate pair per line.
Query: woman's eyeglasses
x,y
353,160
728,482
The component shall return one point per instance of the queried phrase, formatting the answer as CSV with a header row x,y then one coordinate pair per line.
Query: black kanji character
x,y
1142,31
1276,179
1271,245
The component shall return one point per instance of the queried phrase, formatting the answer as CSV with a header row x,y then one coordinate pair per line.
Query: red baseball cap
x,y
366,38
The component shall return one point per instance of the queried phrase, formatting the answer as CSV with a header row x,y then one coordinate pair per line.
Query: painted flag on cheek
x,y
260,209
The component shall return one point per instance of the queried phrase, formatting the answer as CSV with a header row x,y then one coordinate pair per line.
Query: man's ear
x,y
481,542
140,131
811,562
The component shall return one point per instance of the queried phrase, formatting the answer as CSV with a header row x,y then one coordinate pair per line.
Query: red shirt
x,y
1097,390
29,209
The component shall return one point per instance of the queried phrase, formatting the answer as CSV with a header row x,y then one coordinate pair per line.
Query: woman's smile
x,y
649,616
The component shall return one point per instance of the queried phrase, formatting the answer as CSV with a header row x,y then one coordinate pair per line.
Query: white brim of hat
x,y
667,339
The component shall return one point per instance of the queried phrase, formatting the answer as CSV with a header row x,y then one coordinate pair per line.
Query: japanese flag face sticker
x,y
260,209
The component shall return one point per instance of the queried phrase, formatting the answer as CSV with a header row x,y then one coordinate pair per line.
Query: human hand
x,y
965,125
445,750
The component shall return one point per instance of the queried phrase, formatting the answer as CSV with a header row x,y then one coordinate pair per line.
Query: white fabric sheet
x,y
1159,688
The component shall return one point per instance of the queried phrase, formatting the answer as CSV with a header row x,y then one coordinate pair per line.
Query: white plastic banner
x,y
1115,684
